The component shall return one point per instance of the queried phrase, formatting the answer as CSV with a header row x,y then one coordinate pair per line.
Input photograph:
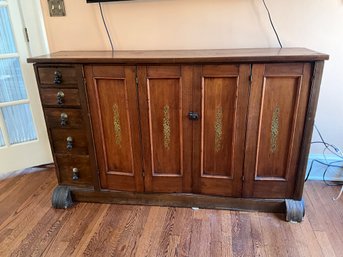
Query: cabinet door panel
x,y
277,109
221,96
218,114
113,107
277,113
113,103
165,99
165,120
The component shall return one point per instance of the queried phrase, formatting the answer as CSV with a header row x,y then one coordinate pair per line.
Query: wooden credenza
x,y
205,128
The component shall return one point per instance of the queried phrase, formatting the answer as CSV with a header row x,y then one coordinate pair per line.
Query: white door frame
x,y
28,154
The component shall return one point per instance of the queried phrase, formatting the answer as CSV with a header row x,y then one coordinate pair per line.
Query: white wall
x,y
204,24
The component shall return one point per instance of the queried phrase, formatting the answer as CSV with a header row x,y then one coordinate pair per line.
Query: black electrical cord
x,y
320,134
108,33
328,146
271,22
325,171
328,165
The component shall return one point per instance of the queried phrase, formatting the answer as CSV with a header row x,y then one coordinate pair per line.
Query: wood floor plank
x,y
304,239
325,244
101,239
182,229
8,184
274,244
216,244
91,230
205,233
311,212
256,235
194,247
24,218
241,226
31,227
327,193
305,235
167,229
226,233
288,238
148,245
72,232
20,196
43,233
174,241
133,230
324,211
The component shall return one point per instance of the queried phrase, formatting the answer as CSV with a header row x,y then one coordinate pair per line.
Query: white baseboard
x,y
333,173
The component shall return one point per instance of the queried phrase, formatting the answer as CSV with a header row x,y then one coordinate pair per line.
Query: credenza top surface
x,y
182,56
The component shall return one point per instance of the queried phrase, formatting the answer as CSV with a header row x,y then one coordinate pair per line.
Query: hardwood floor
x,y
30,227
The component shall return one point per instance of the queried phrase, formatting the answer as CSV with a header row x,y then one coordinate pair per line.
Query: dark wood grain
x,y
222,99
113,105
46,75
66,163
316,79
53,118
165,117
183,56
49,97
179,200
79,141
165,100
77,125
240,226
129,116
87,126
276,118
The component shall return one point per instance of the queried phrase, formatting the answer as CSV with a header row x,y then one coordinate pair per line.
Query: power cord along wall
x,y
105,25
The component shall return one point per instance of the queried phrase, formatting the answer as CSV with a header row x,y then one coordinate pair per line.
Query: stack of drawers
x,y
64,103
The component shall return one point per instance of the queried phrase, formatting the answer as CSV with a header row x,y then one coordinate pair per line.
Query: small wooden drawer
x,y
60,97
69,141
63,118
74,169
57,76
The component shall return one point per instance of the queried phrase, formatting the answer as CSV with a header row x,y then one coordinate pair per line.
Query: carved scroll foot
x,y
295,210
61,198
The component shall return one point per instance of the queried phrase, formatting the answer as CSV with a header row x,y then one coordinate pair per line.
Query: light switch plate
x,y
56,8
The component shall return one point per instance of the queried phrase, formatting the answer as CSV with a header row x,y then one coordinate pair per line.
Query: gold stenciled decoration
x,y
166,127
116,123
275,130
218,128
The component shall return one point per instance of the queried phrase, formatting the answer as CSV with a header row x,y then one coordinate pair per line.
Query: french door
x,y
23,137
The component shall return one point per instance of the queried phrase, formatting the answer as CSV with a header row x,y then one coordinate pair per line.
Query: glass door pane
x,y
19,123
7,44
23,135
12,87
15,111
2,142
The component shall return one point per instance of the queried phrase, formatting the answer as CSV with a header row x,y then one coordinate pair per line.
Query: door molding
x,y
39,148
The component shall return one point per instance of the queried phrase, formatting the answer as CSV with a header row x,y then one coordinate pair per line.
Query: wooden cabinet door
x,y
165,95
221,99
113,102
277,109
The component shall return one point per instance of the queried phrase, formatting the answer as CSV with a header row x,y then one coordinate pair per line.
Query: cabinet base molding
x,y
180,200
63,196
